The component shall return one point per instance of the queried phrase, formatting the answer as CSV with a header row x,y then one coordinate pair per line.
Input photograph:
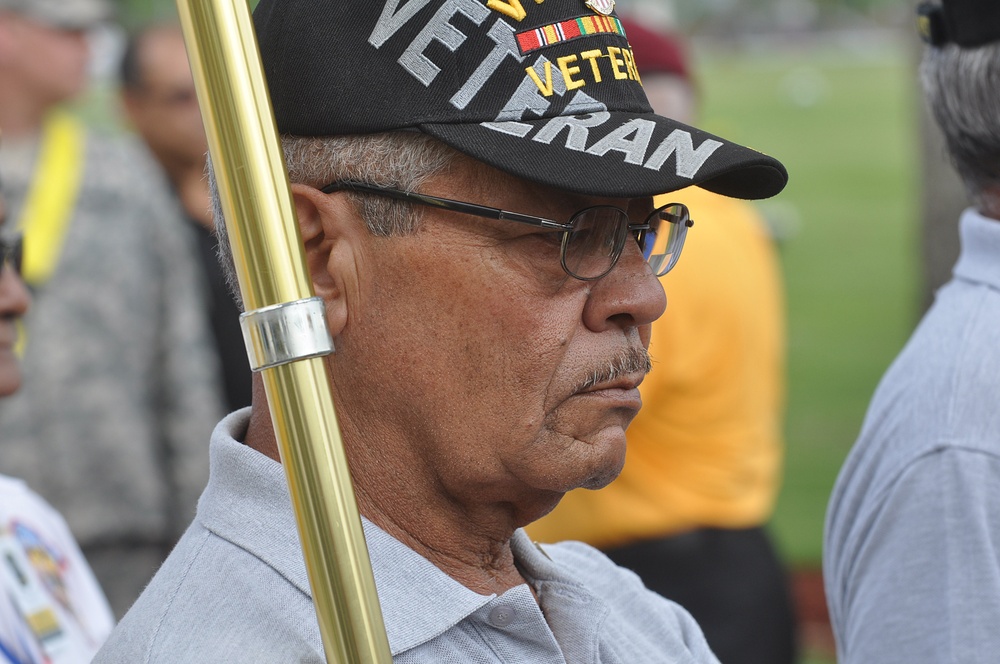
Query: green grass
x,y
844,123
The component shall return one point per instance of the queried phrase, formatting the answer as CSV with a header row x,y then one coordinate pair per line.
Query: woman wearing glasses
x,y
14,300
51,607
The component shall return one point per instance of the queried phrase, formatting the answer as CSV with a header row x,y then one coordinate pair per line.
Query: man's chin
x,y
601,480
609,459
565,461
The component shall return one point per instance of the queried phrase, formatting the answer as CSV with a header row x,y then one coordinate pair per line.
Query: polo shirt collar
x,y
980,238
247,503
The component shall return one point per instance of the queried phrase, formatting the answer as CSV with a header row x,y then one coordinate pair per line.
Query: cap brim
x,y
661,156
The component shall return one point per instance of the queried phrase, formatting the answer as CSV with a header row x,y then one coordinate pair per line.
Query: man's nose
x,y
628,296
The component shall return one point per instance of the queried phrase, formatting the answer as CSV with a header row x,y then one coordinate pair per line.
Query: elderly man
x,y
911,555
473,184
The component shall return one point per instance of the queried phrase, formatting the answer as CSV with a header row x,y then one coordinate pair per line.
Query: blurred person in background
x,y
160,102
703,460
121,380
51,607
911,554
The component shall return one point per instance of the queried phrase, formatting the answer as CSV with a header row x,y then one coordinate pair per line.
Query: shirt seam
x,y
173,595
884,495
936,449
955,377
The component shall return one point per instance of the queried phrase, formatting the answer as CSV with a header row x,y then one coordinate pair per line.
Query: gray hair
x,y
401,159
962,87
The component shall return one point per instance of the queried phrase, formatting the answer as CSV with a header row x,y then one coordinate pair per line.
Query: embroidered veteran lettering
x,y
620,68
391,20
631,139
512,8
506,46
439,29
582,121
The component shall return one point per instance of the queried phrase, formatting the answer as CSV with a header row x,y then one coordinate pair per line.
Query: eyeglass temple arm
x,y
688,222
446,204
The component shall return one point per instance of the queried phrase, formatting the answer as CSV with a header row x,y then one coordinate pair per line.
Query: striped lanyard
x,y
52,196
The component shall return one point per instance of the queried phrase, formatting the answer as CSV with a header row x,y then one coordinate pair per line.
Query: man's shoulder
x,y
581,563
208,603
927,459
638,622
635,614
940,391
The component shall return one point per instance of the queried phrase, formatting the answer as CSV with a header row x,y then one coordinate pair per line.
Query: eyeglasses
x,y
12,249
592,239
171,97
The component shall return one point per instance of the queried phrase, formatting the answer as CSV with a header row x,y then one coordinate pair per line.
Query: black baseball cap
x,y
546,90
966,23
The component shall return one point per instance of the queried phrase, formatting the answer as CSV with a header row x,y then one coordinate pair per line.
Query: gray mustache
x,y
628,361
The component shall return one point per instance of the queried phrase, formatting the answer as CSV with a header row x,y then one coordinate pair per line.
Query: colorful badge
x,y
604,7
554,33
32,602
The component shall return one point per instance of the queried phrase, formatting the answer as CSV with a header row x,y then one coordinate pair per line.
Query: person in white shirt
x,y
52,610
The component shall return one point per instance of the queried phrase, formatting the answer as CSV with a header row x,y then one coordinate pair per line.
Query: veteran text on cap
x,y
546,90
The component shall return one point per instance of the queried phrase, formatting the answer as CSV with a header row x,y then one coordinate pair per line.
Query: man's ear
x,y
330,233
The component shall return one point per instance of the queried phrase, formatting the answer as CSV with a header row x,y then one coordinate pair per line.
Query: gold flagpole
x,y
284,324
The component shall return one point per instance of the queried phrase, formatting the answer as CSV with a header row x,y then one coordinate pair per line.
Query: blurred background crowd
x,y
857,243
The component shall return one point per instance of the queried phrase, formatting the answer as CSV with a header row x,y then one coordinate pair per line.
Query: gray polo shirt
x,y
912,550
235,590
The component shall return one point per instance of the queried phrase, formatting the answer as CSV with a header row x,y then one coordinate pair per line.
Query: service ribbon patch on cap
x,y
554,33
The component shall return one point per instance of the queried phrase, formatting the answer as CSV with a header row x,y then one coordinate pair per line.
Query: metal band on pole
x,y
267,248
284,333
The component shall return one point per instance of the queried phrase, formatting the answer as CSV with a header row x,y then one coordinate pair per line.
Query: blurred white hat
x,y
66,14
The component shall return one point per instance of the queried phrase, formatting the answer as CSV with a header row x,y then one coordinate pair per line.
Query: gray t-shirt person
x,y
912,550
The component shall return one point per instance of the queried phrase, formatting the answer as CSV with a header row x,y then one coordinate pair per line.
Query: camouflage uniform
x,y
121,385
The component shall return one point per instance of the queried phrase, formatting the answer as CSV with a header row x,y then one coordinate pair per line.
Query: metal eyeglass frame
x,y
541,222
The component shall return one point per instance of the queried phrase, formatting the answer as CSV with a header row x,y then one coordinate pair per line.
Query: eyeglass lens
x,y
665,237
596,241
593,247
12,251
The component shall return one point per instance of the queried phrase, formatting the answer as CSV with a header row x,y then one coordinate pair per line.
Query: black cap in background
x,y
967,23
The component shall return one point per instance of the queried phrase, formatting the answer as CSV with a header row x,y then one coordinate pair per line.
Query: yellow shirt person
x,y
705,449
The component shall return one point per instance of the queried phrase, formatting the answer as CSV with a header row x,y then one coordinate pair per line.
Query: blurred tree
x,y
132,13
733,17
